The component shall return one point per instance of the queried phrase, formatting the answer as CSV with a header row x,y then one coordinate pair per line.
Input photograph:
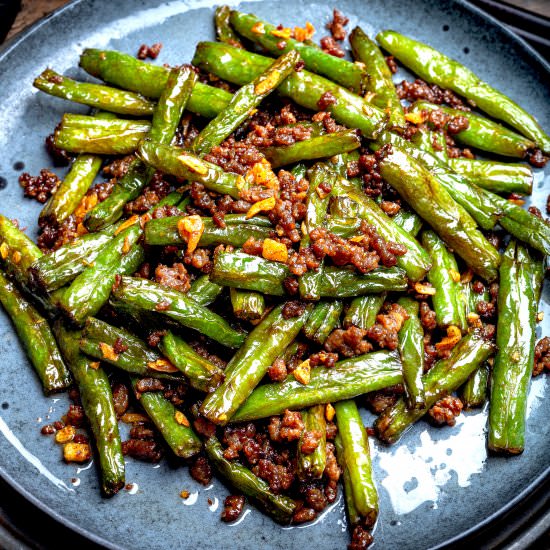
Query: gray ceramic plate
x,y
434,486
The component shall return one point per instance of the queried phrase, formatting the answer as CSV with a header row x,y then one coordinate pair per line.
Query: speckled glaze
x,y
434,485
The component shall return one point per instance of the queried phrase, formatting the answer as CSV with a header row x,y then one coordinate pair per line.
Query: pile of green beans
x,y
270,307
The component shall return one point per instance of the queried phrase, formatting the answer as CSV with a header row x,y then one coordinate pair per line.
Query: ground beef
x,y
149,384
457,124
278,477
200,470
204,427
175,277
542,356
204,352
267,134
303,515
39,187
336,26
151,52
142,431
411,91
368,169
332,470
119,346
175,394
332,431
294,308
75,416
349,342
360,538
390,62
329,124
310,441
199,259
232,508
59,156
536,158
48,429
290,207
234,156
120,399
165,211
388,324
151,195
486,310
330,46
446,410
118,167
323,358
326,100
535,211
390,208
277,372
427,316
364,255
146,450
288,428
378,401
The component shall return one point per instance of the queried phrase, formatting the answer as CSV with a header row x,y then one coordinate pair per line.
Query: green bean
x,y
36,337
17,252
95,95
473,393
121,137
204,291
201,373
416,262
434,204
224,32
97,401
316,209
482,133
177,162
249,365
363,310
357,460
142,294
444,377
99,340
279,507
324,318
379,80
247,305
166,118
514,360
353,516
411,349
473,199
317,61
306,89
52,271
71,190
243,103
409,221
180,437
314,148
444,276
312,465
129,73
497,177
164,232
347,379
436,68
90,290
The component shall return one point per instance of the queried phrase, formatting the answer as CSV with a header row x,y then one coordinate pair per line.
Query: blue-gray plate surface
x,y
434,485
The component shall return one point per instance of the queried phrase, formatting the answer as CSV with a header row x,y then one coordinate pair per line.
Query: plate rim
x,y
11,44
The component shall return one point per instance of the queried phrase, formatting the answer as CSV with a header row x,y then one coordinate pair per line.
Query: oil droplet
x,y
75,481
39,419
241,519
132,488
213,504
191,499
